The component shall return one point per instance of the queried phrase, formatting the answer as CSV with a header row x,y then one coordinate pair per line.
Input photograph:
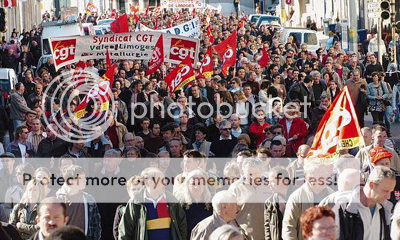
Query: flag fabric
x,y
120,25
205,70
108,60
147,10
181,75
134,9
89,8
226,50
338,129
263,61
100,91
155,23
209,34
157,58
241,22
10,3
114,14
78,74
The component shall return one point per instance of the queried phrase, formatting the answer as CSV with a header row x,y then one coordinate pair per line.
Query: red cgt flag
x,y
227,52
209,34
205,70
263,61
101,91
157,58
120,25
338,129
181,75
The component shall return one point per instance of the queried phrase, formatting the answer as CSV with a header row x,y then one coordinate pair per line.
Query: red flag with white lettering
x,y
209,34
338,129
227,52
205,70
120,25
181,75
100,91
157,58
263,61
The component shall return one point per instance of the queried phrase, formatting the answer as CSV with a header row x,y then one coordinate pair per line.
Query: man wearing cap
x,y
381,157
379,138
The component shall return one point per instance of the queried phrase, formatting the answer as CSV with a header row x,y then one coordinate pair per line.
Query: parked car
x,y
268,20
301,35
8,79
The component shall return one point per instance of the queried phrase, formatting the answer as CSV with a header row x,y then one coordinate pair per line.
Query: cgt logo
x,y
180,49
64,50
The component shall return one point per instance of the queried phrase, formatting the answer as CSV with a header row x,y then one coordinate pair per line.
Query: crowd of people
x,y
258,185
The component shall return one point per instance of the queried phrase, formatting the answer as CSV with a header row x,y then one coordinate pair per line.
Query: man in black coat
x,y
10,61
222,147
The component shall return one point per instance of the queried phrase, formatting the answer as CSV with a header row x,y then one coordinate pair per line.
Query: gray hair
x,y
223,197
379,173
223,123
113,153
183,193
226,232
356,71
311,167
251,163
315,73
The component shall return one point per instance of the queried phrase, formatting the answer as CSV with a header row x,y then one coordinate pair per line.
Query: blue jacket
x,y
383,92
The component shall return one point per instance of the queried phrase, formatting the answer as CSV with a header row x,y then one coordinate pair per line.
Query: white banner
x,y
187,29
132,46
183,4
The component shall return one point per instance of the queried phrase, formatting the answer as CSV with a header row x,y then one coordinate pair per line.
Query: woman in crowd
x,y
377,93
318,223
236,85
257,129
131,163
243,109
201,144
15,192
195,198
43,175
24,214
276,83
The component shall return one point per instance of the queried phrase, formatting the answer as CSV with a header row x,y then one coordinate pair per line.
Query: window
x,y
296,36
310,38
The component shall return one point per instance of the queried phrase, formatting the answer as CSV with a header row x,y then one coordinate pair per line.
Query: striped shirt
x,y
35,138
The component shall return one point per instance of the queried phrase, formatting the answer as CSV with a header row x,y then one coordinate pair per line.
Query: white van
x,y
302,35
54,30
8,79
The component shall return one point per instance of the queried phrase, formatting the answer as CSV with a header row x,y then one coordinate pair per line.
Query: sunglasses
x,y
226,129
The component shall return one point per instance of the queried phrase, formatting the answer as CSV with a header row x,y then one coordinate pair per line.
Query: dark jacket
x,y
351,224
48,149
273,218
133,222
94,218
10,62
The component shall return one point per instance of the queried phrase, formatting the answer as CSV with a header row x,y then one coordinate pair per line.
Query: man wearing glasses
x,y
223,146
20,147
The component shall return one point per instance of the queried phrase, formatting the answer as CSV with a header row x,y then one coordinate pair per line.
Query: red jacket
x,y
298,128
257,132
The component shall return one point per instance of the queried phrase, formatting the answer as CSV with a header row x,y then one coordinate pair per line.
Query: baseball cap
x,y
379,153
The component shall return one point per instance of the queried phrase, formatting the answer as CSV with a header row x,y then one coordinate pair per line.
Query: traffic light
x,y
3,20
385,10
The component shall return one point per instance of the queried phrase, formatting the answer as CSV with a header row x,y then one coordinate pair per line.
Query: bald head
x,y
349,179
302,153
